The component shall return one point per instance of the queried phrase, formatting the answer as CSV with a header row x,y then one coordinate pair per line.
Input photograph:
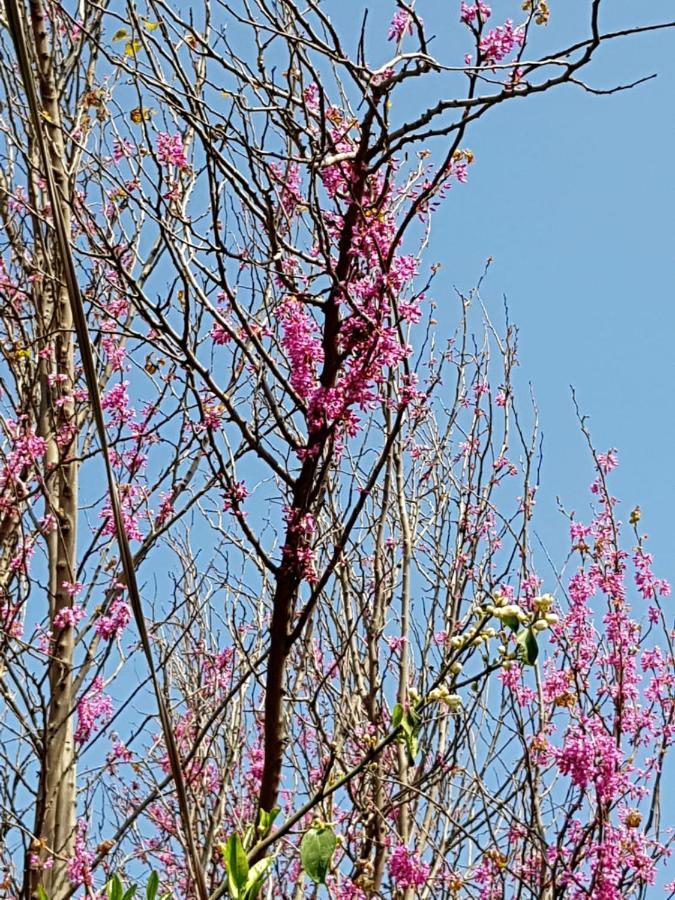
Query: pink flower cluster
x,y
302,343
512,679
406,868
94,706
289,188
68,617
469,12
19,463
170,150
116,621
400,24
79,867
235,494
590,755
11,619
130,496
116,402
499,42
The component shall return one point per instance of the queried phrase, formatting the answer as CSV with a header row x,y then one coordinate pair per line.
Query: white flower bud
x,y
543,603
453,701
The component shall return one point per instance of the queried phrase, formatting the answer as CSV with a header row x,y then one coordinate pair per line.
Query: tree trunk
x,y
54,829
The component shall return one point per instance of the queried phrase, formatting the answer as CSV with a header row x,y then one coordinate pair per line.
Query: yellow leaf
x,y
140,114
131,48
150,25
120,35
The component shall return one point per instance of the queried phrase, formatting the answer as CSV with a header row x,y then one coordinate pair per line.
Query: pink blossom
x,y
302,345
590,755
400,24
235,494
311,96
130,495
608,461
468,13
94,706
11,619
68,617
499,42
79,866
116,402
347,890
166,508
118,617
406,868
170,150
396,643
122,148
512,679
72,588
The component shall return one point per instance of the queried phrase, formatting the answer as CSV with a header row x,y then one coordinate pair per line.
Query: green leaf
x,y
42,893
120,35
511,622
527,647
114,888
266,820
256,877
412,746
316,851
236,865
397,716
248,838
153,886
130,892
410,724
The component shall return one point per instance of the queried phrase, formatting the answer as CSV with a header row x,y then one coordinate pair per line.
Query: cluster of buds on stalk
x,y
544,617
442,694
511,614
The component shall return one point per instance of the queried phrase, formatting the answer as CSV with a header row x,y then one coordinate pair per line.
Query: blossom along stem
x,y
314,452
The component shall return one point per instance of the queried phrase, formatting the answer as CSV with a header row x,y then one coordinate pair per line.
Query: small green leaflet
x,y
409,721
153,887
243,882
511,622
115,889
527,647
256,877
236,865
316,851
266,820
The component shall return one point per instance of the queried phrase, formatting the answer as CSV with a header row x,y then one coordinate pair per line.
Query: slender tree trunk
x,y
55,810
